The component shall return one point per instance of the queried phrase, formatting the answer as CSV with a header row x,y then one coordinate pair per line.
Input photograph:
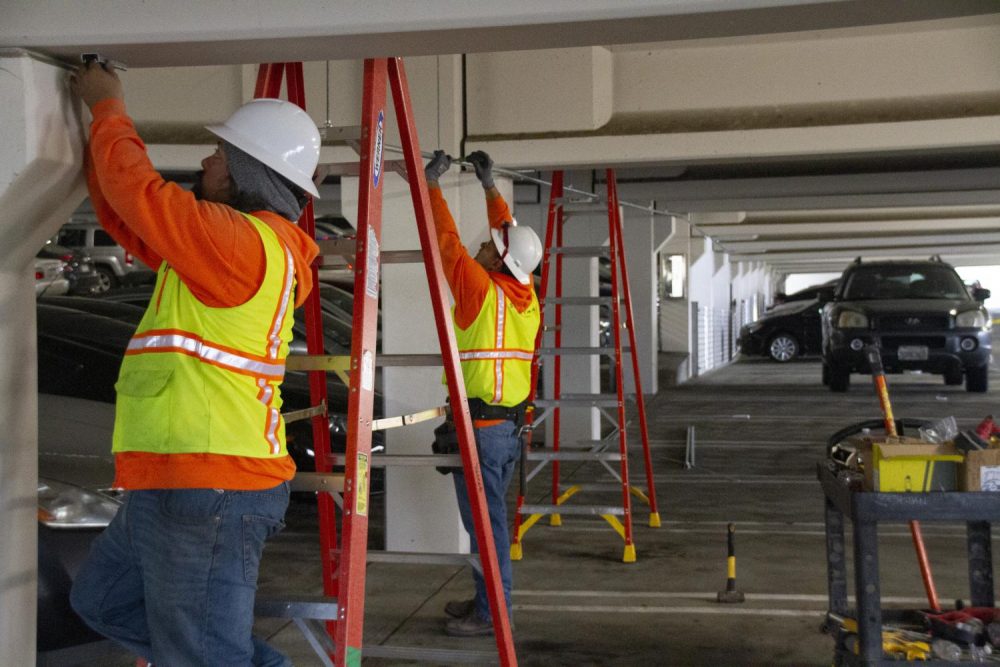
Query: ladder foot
x,y
654,519
555,520
515,551
629,556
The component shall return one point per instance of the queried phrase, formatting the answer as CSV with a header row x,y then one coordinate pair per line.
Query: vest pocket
x,y
143,410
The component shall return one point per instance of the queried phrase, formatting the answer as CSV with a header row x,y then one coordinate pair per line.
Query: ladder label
x,y
377,164
361,499
367,371
371,270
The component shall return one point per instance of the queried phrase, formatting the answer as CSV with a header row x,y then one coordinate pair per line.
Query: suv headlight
x,y
67,506
976,319
850,319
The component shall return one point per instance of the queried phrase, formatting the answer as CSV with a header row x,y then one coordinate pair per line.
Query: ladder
x,y
344,565
599,451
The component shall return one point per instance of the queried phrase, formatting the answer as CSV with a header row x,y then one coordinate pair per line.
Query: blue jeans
x,y
499,450
173,577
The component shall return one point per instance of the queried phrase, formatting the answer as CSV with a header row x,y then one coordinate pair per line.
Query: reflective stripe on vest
x,y
210,353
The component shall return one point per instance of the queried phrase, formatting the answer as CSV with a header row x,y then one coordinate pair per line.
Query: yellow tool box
x,y
910,465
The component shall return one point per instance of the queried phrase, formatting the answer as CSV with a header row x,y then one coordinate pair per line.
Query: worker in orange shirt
x,y
199,442
496,318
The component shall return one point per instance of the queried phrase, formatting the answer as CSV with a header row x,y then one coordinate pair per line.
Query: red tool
x,y
882,391
987,428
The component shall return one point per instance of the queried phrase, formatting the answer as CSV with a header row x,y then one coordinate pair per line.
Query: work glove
x,y
484,168
438,165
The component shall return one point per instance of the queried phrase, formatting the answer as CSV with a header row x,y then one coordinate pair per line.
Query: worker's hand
x,y
439,164
484,168
93,83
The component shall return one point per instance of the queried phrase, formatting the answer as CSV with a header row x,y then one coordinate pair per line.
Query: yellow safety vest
x,y
197,379
497,348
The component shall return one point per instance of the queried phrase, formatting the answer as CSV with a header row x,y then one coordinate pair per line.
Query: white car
x,y
50,277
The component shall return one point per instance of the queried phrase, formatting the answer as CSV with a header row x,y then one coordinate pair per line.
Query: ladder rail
x,y
654,518
449,356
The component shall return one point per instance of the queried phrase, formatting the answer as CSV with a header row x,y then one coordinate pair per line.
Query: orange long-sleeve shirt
x,y
468,280
215,251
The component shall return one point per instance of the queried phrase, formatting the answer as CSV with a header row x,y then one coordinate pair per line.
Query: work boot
x,y
460,608
470,625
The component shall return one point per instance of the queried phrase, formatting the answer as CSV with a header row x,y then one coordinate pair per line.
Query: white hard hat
x,y
520,249
279,134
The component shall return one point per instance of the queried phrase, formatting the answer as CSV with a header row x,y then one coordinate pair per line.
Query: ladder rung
x,y
580,251
615,487
432,655
318,481
567,351
586,444
414,460
579,400
354,168
336,252
297,606
595,510
577,300
408,360
413,558
341,133
573,456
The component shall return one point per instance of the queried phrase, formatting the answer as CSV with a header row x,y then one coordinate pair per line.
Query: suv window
x,y
102,238
74,238
904,282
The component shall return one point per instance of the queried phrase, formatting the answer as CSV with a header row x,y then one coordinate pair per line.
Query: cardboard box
x,y
910,465
981,471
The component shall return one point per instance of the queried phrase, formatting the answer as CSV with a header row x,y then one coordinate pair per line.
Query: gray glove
x,y
484,168
438,165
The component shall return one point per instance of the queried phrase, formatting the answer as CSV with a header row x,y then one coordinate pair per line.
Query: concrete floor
x,y
761,427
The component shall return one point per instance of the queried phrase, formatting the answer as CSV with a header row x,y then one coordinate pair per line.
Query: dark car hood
x,y
903,306
791,308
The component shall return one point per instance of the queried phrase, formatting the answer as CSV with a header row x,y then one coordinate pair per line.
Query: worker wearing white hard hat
x,y
199,441
496,318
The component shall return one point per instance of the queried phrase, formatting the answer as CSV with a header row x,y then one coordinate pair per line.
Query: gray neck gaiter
x,y
253,177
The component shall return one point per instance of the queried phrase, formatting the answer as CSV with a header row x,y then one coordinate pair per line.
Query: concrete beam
x,y
169,33
870,239
860,226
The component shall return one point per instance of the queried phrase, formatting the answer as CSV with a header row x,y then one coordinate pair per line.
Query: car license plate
x,y
912,353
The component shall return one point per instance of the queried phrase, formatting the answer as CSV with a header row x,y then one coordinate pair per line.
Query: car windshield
x,y
904,282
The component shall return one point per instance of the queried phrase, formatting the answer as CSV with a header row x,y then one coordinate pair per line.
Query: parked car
x,y
919,314
823,293
785,332
114,264
78,267
50,278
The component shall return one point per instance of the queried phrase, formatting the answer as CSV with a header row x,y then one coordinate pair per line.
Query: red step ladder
x,y
343,603
593,451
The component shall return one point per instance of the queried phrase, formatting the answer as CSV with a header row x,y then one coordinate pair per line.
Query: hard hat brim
x,y
254,150
521,276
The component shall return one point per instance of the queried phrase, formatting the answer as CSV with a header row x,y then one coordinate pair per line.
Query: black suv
x,y
919,313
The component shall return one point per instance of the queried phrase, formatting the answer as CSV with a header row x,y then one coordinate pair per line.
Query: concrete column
x,y
40,184
638,231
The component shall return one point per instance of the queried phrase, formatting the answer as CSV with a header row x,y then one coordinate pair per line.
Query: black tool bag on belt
x,y
446,437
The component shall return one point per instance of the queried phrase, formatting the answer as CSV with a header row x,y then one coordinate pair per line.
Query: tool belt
x,y
480,409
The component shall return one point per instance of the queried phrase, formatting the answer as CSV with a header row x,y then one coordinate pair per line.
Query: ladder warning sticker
x,y
371,270
361,498
367,371
377,166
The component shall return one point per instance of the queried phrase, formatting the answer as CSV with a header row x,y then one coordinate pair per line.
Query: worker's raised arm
x,y
496,207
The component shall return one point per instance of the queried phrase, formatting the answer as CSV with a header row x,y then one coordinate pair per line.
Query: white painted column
x,y
40,184
640,258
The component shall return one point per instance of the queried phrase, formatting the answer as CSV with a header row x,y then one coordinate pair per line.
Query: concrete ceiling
x,y
812,213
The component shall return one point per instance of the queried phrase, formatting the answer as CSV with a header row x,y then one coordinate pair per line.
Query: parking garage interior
x,y
761,148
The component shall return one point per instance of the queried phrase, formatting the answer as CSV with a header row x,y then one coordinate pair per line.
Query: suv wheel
x,y
826,375
977,379
840,379
107,280
953,376
783,347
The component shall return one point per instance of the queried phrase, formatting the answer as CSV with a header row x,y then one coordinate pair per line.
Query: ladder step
x,y
579,400
432,655
610,487
414,460
595,510
337,252
577,300
354,168
567,351
587,444
341,133
297,606
573,456
408,360
413,558
580,251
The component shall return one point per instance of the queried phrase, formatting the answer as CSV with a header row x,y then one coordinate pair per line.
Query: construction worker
x,y
199,442
496,318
